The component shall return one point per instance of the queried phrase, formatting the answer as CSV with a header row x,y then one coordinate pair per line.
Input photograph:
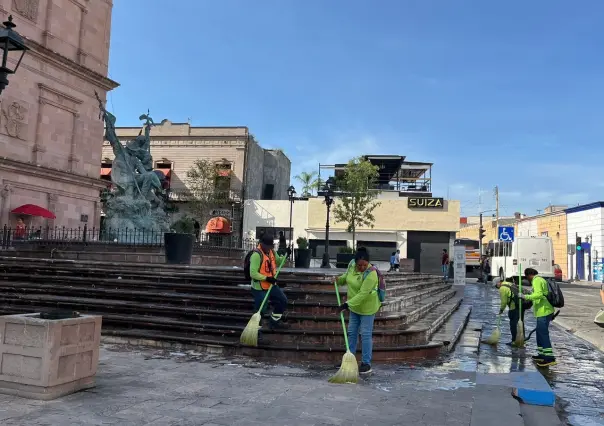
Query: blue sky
x,y
494,93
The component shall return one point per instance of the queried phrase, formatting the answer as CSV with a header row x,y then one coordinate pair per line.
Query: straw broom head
x,y
519,342
249,337
348,372
493,339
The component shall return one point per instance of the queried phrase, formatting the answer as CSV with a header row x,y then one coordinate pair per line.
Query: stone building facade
x,y
49,119
254,173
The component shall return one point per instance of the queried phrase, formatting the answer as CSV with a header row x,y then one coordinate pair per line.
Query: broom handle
x,y
335,283
520,290
271,287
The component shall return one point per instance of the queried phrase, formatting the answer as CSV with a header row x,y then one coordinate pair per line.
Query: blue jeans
x,y
365,324
544,344
445,271
277,298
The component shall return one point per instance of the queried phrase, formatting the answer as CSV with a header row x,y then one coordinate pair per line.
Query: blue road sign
x,y
505,233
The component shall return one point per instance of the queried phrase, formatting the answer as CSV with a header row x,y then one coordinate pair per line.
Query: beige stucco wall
x,y
394,215
183,144
275,213
49,117
393,220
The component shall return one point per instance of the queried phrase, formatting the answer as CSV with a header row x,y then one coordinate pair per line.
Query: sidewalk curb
x,y
566,326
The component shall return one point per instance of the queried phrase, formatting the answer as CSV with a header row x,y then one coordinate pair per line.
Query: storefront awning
x,y
218,225
105,171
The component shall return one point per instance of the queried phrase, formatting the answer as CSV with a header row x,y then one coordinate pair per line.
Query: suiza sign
x,y
425,203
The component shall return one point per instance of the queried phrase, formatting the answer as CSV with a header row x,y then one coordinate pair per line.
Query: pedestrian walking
x,y
363,303
445,264
397,260
544,312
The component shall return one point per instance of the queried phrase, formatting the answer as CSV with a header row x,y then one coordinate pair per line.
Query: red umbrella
x,y
33,210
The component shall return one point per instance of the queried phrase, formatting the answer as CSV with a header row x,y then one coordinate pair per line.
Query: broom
x,y
520,327
349,370
493,339
249,337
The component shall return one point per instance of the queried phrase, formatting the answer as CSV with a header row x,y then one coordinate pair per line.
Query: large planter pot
x,y
343,259
48,358
302,258
178,248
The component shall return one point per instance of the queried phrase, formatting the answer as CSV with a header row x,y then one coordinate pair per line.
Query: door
x,y
379,251
318,247
426,248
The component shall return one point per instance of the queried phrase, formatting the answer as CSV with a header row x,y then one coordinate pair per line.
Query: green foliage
x,y
347,250
302,243
202,193
184,225
356,206
309,182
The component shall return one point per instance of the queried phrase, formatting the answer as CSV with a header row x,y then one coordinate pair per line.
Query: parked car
x,y
557,272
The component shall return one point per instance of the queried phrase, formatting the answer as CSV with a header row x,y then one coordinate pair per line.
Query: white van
x,y
524,252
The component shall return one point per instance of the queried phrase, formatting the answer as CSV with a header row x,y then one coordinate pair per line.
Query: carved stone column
x,y
73,159
5,194
52,206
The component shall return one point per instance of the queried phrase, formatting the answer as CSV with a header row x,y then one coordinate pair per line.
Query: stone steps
x,y
213,286
208,307
218,311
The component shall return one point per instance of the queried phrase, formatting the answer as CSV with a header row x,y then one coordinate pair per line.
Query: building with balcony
x,y
245,170
408,218
49,116
397,177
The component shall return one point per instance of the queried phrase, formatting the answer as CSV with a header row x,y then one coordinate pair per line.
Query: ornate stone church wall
x,y
49,125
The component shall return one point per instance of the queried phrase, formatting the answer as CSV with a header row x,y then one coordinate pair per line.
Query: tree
x,y
309,182
355,207
203,193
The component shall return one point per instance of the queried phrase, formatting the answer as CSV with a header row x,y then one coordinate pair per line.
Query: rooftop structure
x,y
408,178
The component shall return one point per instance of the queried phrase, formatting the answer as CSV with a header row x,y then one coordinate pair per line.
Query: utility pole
x,y
497,207
479,199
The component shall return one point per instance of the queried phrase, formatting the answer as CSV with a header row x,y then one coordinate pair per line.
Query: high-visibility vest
x,y
268,267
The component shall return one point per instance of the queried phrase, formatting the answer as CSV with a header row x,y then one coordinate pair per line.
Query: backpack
x,y
246,262
554,294
381,288
526,304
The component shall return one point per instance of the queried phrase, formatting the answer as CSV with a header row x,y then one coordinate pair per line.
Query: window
x,y
544,234
223,177
275,231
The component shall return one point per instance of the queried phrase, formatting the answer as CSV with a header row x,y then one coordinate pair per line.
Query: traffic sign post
x,y
505,233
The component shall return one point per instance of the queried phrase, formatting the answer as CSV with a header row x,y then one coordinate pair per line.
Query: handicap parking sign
x,y
505,233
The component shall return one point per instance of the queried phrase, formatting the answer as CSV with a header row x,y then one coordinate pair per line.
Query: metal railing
x,y
61,236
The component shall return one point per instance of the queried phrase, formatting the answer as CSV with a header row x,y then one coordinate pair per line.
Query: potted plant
x,y
302,254
344,256
178,243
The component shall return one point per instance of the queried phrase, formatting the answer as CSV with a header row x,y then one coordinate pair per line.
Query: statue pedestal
x,y
46,359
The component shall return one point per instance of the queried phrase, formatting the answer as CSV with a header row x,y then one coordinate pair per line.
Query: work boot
x,y
547,362
278,325
364,368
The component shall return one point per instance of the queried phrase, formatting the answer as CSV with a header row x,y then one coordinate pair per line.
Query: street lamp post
x,y
328,193
12,45
291,194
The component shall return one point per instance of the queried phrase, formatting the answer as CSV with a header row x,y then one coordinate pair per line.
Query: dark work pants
x,y
277,299
544,344
514,316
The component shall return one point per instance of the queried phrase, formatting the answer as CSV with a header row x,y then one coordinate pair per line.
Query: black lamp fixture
x,y
328,192
291,195
13,47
